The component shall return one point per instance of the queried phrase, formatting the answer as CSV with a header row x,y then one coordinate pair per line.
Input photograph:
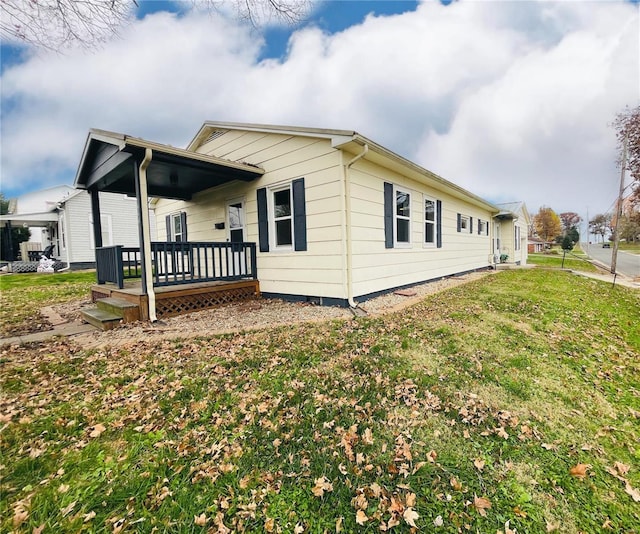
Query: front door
x,y
235,215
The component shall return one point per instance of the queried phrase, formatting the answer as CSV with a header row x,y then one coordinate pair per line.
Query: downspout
x,y
146,234
347,225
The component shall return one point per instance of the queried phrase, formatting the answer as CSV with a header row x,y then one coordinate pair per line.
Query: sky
x,y
511,100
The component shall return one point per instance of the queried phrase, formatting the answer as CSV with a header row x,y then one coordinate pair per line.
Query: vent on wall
x,y
214,135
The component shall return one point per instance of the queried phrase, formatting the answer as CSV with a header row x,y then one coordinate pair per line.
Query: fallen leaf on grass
x,y
479,464
635,494
97,430
88,517
361,517
38,530
579,470
63,488
481,504
20,515
623,469
200,520
322,484
410,516
438,521
270,524
67,509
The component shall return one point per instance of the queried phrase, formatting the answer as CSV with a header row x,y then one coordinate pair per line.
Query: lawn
x,y
509,404
22,296
575,260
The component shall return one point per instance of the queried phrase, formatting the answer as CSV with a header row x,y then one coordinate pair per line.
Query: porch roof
x,y
30,219
109,160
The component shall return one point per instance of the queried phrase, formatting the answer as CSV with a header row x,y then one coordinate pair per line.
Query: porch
x,y
186,276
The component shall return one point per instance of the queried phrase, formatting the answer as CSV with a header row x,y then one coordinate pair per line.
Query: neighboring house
x,y
336,217
510,233
62,217
535,244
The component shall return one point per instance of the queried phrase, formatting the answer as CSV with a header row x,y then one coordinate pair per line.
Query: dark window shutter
x,y
479,227
263,220
470,225
299,215
459,222
167,221
388,215
438,223
487,228
183,224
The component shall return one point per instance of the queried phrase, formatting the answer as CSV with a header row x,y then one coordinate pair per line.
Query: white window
x,y
482,227
517,238
402,217
430,217
281,206
464,222
177,231
106,228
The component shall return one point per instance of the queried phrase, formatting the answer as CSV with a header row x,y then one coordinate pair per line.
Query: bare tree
x,y
58,24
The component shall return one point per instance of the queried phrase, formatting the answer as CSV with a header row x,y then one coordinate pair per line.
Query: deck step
x,y
128,311
101,318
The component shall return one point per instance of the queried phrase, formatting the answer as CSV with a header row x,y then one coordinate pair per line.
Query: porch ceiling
x,y
109,161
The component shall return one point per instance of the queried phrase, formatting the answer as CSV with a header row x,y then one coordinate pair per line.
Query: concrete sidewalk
x,y
64,330
620,280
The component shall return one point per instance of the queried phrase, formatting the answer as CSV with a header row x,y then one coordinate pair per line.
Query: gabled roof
x,y
349,141
513,210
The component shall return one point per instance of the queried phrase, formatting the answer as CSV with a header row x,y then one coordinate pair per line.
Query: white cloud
x,y
508,99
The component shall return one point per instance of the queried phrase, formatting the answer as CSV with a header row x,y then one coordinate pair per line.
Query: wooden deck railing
x,y
179,263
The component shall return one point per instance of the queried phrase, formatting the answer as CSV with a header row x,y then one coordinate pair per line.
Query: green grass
x,y
576,260
490,392
22,296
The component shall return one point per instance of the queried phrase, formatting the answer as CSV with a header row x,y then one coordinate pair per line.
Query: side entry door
x,y
236,260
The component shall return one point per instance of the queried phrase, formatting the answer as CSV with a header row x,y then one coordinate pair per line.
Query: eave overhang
x,y
109,160
30,219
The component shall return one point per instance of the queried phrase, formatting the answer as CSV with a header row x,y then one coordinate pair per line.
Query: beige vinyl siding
x,y
376,268
318,271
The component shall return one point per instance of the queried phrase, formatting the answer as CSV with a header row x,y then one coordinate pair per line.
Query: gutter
x,y
146,234
348,244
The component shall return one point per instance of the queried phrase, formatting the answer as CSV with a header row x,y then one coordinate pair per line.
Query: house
x,y
324,216
535,245
62,217
511,233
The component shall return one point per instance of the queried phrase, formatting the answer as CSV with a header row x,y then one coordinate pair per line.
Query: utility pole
x,y
616,241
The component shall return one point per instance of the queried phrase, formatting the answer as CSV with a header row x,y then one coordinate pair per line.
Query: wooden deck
x,y
179,299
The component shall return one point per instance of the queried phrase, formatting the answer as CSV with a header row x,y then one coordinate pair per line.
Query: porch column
x,y
95,215
142,201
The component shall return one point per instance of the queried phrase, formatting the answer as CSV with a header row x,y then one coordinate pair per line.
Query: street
x,y
627,264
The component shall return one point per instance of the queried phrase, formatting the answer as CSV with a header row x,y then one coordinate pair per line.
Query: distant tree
x,y
56,24
547,224
567,243
630,227
600,225
11,237
569,219
573,234
627,125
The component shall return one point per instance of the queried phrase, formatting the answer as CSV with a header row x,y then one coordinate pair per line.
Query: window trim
x,y
273,246
464,223
104,217
434,222
396,217
172,236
